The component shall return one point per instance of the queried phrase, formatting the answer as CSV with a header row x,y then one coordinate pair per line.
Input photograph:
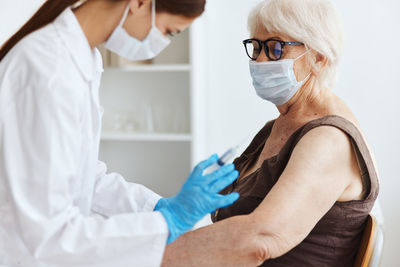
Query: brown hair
x,y
187,8
51,9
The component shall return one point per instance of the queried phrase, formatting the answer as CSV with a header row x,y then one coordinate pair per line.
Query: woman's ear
x,y
136,5
319,63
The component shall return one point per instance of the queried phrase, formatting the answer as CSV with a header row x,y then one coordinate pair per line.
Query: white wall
x,y
369,83
13,14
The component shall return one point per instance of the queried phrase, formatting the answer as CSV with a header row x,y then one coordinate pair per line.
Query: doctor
x,y
51,182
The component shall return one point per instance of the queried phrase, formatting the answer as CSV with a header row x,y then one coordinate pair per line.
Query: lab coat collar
x,y
87,60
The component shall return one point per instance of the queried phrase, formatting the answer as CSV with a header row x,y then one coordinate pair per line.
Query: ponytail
x,y
46,14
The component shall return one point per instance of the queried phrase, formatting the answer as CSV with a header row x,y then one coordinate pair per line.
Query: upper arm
x,y
41,145
313,180
41,137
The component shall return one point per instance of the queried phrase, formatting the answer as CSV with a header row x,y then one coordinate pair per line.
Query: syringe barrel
x,y
212,168
225,158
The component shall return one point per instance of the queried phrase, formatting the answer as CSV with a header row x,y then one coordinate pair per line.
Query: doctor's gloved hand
x,y
197,197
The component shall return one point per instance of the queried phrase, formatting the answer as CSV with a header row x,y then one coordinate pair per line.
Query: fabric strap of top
x,y
363,168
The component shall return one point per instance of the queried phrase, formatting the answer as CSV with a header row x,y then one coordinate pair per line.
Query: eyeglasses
x,y
273,48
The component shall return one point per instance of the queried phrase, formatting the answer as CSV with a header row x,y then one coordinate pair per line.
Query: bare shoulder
x,y
325,153
324,141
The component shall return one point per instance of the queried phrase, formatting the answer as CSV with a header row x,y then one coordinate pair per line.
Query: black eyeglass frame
x,y
266,48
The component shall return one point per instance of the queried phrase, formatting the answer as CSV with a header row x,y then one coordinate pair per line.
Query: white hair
x,y
316,23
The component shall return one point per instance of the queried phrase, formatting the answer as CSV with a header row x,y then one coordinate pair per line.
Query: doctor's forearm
x,y
231,242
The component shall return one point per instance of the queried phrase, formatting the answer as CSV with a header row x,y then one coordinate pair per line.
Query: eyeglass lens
x,y
253,49
274,49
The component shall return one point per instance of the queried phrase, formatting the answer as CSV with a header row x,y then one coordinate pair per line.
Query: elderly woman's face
x,y
301,66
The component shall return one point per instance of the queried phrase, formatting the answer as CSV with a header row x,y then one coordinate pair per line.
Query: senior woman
x,y
307,180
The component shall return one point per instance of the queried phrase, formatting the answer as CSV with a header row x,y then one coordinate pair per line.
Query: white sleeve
x,y
114,195
40,147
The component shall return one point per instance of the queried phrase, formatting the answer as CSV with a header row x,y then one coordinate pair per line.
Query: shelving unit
x,y
158,137
157,99
152,68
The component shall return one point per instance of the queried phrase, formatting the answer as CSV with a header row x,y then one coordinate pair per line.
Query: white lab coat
x,y
51,181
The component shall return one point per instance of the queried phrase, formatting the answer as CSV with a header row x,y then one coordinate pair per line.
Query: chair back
x,y
370,250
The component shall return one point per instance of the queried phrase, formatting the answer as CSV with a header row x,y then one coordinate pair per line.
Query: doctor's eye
x,y
173,33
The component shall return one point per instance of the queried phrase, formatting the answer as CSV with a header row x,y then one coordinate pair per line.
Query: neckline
x,y
251,155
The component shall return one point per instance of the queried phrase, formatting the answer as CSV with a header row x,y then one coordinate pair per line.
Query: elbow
x,y
261,254
33,244
268,247
269,242
35,240
42,234
258,246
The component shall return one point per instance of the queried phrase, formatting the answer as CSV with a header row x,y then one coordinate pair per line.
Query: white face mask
x,y
129,47
275,81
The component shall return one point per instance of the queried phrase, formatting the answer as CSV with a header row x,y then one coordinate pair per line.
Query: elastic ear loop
x,y
308,50
153,13
78,4
308,76
121,23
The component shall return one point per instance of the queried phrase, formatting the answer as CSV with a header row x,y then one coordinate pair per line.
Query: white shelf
x,y
153,68
153,137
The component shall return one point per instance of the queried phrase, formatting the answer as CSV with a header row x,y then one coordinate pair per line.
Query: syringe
x,y
224,159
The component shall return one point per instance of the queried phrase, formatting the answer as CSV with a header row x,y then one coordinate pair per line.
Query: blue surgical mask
x,y
275,81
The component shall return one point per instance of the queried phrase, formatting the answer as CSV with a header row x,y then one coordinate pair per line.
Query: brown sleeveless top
x,y
335,239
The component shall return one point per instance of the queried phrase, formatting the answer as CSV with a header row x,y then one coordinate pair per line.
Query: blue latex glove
x,y
197,197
